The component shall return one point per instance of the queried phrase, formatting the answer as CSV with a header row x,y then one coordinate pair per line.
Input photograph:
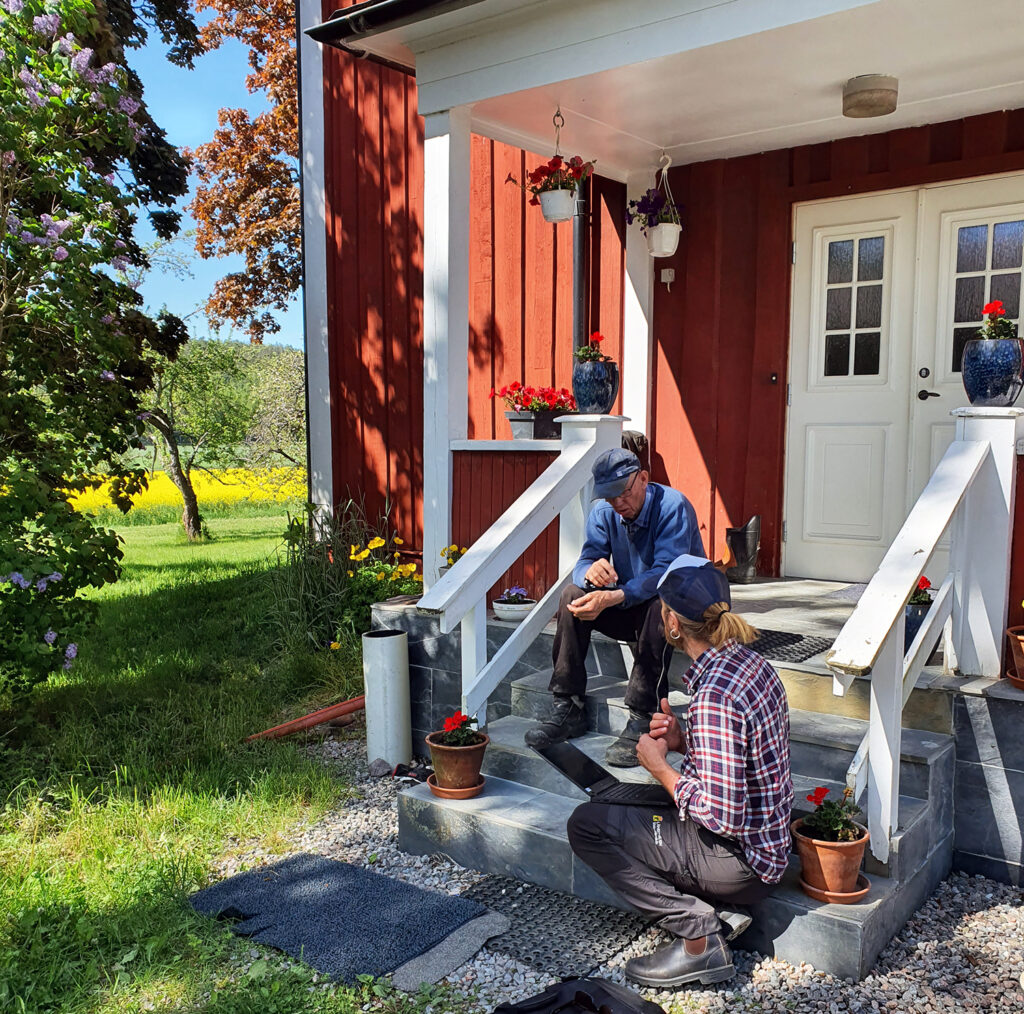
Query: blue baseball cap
x,y
612,471
692,585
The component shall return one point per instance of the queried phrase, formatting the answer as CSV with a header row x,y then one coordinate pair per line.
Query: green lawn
x,y
123,781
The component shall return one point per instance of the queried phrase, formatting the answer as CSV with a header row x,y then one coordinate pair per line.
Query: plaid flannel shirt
x,y
735,778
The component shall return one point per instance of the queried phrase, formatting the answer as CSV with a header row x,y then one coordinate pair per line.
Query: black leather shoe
x,y
566,721
673,966
622,753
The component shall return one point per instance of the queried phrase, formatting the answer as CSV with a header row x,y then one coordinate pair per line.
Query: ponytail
x,y
720,625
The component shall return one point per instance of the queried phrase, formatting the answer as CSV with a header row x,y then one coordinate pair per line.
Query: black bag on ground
x,y
583,996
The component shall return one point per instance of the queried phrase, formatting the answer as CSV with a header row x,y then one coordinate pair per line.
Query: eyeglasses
x,y
625,492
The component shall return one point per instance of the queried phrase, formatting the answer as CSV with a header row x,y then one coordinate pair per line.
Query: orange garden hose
x,y
310,720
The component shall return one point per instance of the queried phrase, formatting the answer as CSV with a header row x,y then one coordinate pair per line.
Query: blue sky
x,y
185,104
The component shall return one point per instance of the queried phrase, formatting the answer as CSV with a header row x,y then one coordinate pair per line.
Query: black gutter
x,y
375,16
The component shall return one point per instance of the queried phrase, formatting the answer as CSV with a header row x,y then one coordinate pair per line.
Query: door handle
x,y
925,395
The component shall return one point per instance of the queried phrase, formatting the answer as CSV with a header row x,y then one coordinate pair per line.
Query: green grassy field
x,y
123,781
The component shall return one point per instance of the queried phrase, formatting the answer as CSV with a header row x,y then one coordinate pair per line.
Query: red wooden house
x,y
800,361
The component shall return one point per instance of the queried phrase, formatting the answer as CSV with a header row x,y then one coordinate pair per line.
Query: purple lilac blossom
x,y
47,24
13,6
107,318
41,585
128,105
67,665
119,263
80,61
107,375
60,254
88,163
18,579
6,161
50,636
67,45
71,650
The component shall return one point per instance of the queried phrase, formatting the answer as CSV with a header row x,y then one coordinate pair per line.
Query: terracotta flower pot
x,y
457,767
830,866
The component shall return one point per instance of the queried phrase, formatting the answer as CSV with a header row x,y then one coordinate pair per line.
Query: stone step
x,y
519,831
824,743
508,757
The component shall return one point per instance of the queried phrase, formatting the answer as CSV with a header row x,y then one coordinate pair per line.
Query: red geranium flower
x,y
818,796
924,584
596,338
995,308
456,721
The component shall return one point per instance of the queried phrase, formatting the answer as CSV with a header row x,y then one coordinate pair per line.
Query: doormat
x,y
345,921
553,932
781,646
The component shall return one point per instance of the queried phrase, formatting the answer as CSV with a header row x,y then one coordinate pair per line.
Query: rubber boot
x,y
743,544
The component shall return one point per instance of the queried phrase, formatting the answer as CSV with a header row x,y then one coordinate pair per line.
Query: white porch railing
x,y
970,494
459,597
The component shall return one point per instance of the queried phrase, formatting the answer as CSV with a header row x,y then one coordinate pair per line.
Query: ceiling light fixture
x,y
870,95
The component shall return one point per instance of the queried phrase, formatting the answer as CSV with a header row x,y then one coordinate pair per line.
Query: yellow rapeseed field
x,y
227,486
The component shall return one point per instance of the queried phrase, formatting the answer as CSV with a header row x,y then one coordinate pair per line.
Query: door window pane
x,y
971,247
869,306
866,354
837,309
961,335
870,259
1007,288
970,297
837,355
1007,243
840,261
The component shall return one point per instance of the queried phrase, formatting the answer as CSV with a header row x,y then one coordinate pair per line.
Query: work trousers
x,y
671,870
640,626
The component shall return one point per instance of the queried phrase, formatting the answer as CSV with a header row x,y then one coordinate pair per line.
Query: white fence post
x,y
980,541
474,651
446,190
885,734
606,432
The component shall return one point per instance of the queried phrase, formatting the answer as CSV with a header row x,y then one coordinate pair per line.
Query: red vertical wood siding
x,y
504,476
718,429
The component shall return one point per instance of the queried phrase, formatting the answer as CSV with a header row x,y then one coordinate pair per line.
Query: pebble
x,y
962,950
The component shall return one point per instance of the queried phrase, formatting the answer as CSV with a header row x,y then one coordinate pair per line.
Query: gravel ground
x,y
961,952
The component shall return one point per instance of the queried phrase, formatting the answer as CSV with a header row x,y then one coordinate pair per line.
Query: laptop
x,y
601,785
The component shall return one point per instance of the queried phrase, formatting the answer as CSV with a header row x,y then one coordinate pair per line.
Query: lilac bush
x,y
75,348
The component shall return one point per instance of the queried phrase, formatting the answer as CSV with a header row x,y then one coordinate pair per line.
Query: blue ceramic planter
x,y
595,386
913,617
993,370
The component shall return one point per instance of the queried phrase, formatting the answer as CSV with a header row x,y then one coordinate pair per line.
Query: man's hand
x,y
601,573
651,753
665,727
591,605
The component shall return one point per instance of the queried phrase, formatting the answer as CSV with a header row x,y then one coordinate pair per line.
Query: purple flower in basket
x,y
516,595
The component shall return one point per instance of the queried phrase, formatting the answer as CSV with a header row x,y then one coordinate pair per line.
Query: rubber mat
x,y
554,932
782,646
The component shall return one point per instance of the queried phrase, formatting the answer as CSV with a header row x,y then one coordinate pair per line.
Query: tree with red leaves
x,y
248,198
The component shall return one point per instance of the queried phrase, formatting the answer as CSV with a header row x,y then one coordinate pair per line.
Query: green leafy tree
x,y
201,411
75,349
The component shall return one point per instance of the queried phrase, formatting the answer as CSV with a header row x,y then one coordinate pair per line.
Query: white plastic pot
x,y
386,679
514,611
663,239
557,205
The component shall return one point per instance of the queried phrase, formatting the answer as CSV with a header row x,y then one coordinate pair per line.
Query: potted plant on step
x,y
513,604
595,378
553,186
993,363
914,613
830,844
532,410
456,754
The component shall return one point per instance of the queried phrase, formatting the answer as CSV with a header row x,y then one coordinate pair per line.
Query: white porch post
x,y
980,535
446,167
638,318
885,736
314,261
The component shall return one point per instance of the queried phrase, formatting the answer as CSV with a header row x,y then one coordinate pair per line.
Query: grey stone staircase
x,y
516,827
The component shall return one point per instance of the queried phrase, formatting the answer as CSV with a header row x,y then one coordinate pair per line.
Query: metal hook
x,y
665,161
558,119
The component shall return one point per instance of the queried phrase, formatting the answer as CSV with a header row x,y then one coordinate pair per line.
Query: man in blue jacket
x,y
632,537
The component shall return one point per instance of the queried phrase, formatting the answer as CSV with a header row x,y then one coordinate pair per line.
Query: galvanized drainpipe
x,y
579,271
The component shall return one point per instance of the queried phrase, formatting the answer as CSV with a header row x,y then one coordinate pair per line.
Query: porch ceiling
x,y
737,79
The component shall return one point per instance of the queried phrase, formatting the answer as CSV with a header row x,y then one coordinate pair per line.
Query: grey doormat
x,y
554,932
782,646
342,920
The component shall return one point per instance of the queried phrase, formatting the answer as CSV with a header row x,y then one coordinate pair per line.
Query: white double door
x,y
886,289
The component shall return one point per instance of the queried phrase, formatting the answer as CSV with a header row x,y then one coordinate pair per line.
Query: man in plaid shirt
x,y
728,843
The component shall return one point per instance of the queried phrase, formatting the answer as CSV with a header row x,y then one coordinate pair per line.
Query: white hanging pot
x,y
557,205
663,239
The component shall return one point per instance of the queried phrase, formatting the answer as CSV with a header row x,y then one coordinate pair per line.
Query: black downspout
x,y
579,271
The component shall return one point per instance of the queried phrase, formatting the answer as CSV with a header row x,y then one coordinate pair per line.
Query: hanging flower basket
x,y
657,214
557,205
